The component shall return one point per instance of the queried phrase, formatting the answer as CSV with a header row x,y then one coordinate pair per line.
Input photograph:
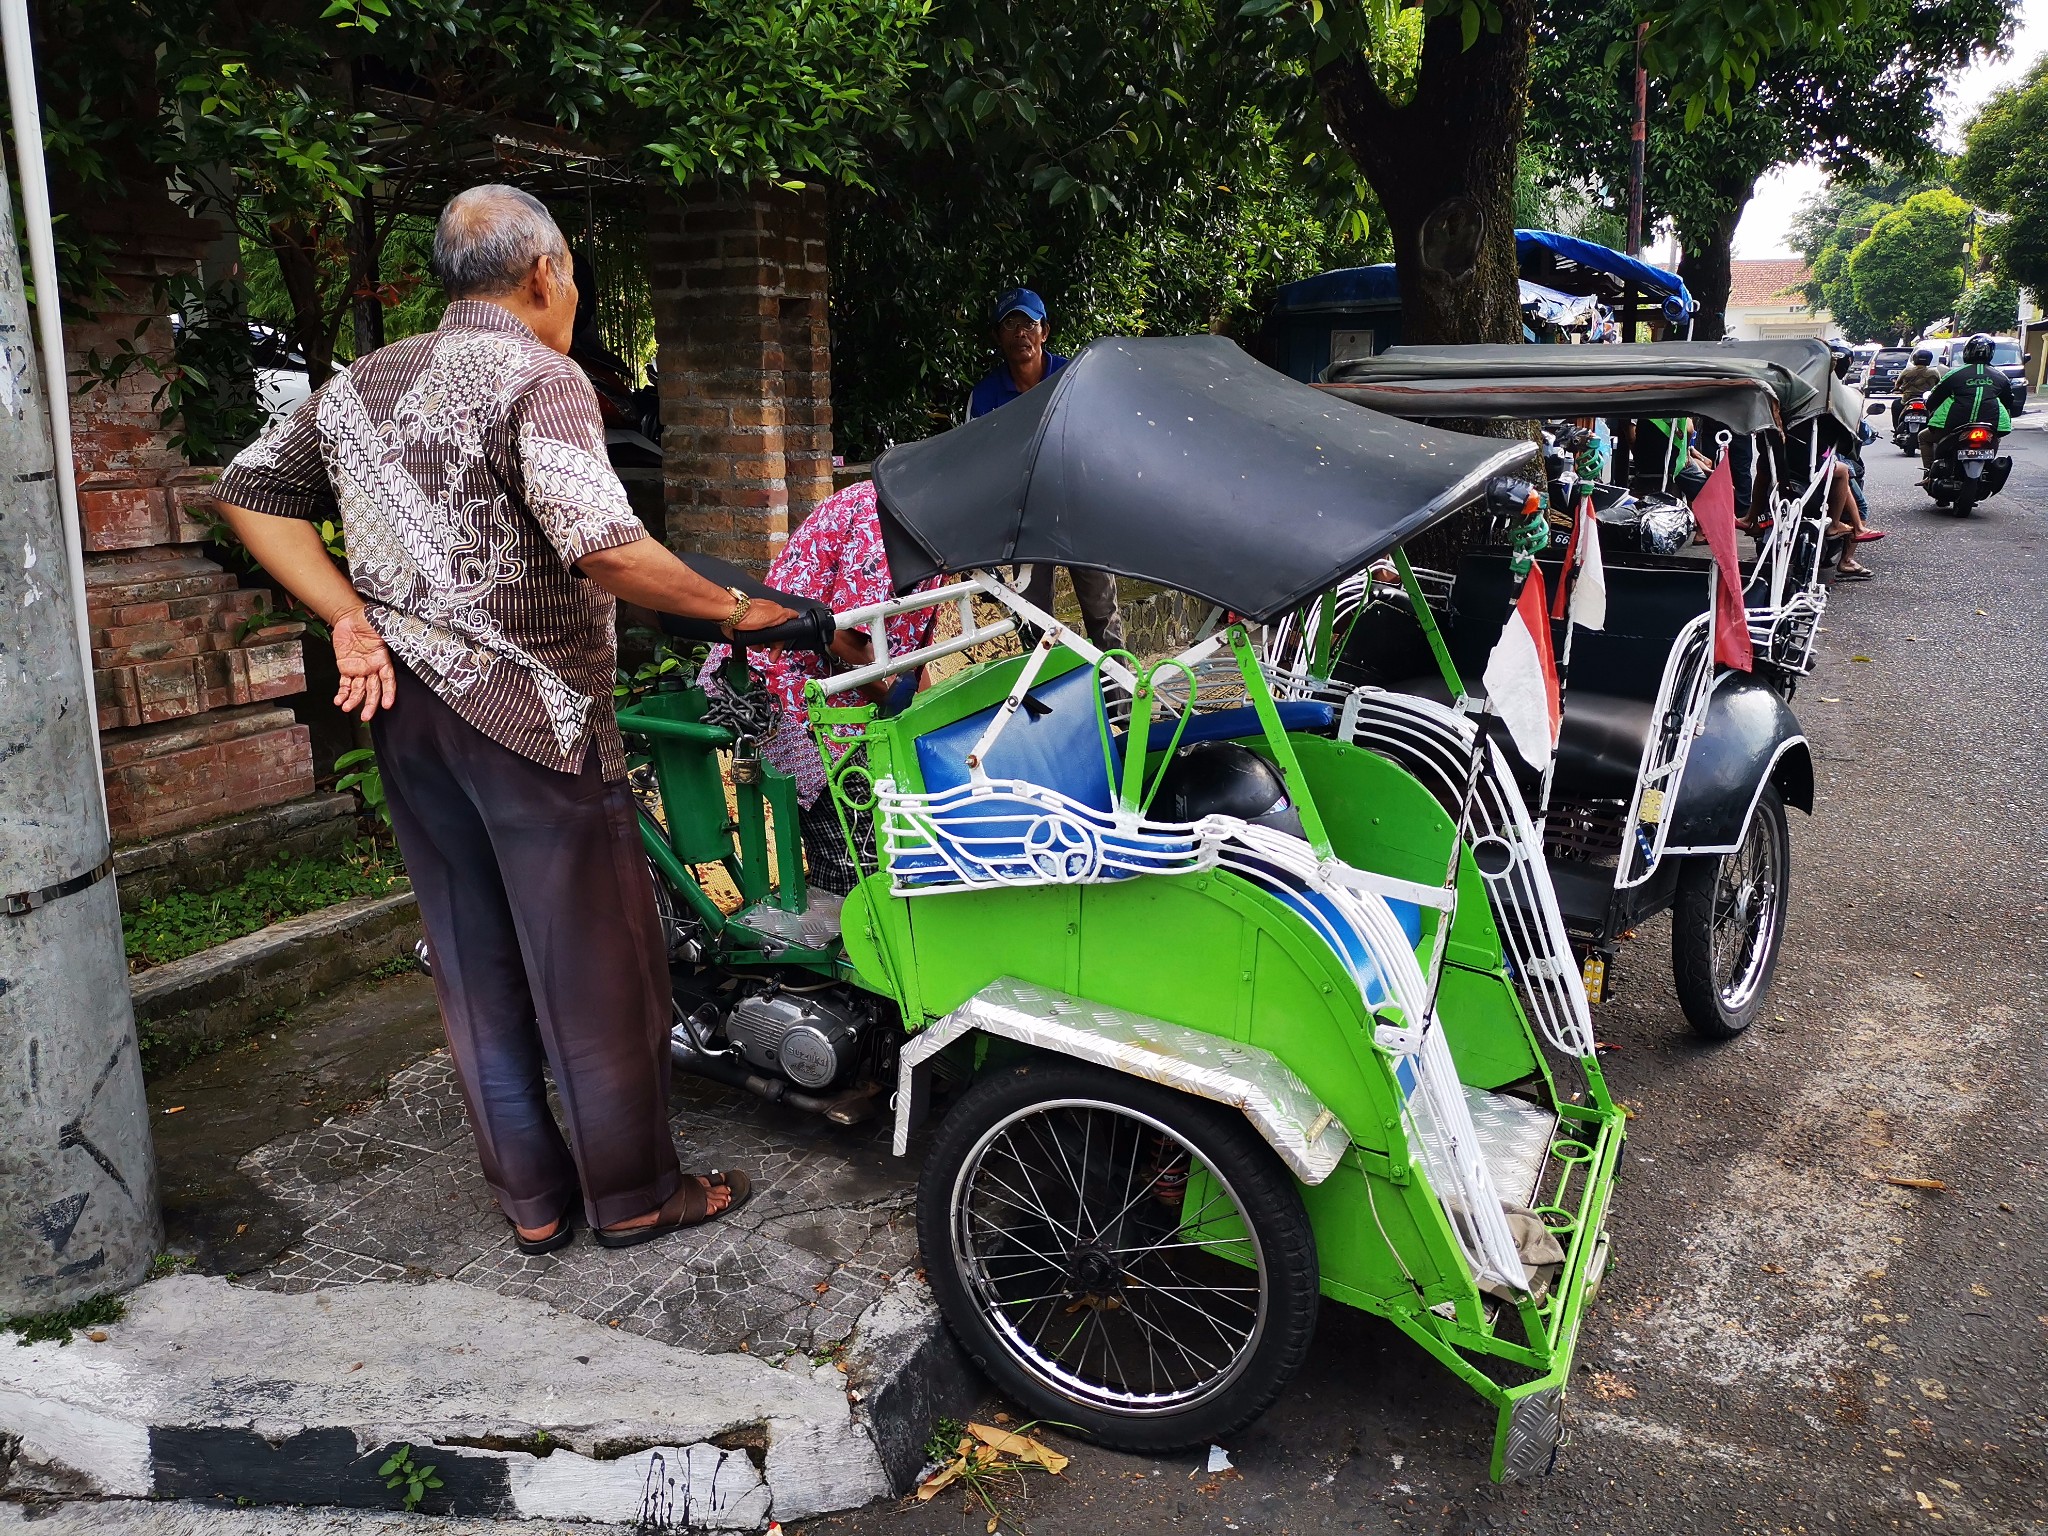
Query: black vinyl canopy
x,y
1749,386
1185,462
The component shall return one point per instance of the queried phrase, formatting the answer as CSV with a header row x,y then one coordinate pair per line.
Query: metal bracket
x,y
21,903
1308,1137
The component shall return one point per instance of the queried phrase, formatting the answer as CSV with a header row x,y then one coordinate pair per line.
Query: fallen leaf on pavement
x,y
1902,1183
1859,658
1774,1269
930,1487
98,1335
1023,1447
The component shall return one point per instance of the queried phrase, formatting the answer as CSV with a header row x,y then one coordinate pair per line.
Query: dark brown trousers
x,y
546,949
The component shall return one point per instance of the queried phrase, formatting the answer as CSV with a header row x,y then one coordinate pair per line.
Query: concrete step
x,y
208,1390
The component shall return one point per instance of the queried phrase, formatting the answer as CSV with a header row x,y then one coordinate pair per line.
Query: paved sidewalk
x,y
782,1362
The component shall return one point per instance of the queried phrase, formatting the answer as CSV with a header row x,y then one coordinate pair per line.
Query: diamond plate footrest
x,y
1308,1137
1531,1432
816,927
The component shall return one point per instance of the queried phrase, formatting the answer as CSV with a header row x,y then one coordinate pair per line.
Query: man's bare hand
x,y
762,614
368,681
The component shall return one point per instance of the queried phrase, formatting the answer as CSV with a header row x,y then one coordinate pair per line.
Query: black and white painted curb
x,y
208,1390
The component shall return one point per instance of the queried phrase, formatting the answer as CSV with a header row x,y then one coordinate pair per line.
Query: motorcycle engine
x,y
811,1038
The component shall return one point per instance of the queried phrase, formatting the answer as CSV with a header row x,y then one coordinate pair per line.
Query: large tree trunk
x,y
1706,265
1442,163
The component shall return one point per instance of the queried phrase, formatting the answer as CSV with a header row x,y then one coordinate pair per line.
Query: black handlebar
x,y
811,630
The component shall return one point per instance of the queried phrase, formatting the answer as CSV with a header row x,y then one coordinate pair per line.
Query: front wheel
x,y
1118,1257
1728,923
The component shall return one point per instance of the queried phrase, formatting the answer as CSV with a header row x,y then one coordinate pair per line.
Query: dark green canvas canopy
x,y
1182,461
1751,386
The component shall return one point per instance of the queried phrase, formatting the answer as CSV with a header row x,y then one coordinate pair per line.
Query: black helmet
x,y
1922,357
1977,349
1223,778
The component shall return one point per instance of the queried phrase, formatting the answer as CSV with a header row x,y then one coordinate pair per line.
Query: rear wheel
x,y
1116,1256
1728,923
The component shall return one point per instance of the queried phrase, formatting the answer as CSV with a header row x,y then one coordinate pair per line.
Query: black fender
x,y
1751,739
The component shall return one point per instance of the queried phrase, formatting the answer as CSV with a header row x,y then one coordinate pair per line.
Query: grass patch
x,y
289,886
57,1327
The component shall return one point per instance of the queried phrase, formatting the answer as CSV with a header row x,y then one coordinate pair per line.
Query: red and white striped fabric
x,y
1521,675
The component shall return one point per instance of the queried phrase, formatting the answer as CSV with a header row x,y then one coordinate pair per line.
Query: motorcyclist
x,y
1914,380
1974,392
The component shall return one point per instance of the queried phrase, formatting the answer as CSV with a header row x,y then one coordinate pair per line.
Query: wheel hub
x,y
1091,1272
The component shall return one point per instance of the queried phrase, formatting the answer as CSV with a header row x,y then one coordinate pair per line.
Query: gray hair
x,y
488,239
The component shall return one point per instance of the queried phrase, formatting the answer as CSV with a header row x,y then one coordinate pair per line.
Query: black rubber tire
x,y
1226,1140
1692,949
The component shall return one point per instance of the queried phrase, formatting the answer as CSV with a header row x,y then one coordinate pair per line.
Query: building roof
x,y
1766,282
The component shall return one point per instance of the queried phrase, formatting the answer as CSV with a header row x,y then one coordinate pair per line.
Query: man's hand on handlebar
x,y
762,614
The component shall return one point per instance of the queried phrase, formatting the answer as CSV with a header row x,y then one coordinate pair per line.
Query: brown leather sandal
x,y
689,1206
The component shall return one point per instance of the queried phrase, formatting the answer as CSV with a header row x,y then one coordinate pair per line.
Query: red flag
x,y
1715,509
1521,675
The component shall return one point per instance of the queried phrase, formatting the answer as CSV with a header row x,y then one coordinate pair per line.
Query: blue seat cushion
x,y
1310,716
1053,741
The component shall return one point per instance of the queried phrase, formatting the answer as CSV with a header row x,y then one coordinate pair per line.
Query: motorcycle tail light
x,y
1977,437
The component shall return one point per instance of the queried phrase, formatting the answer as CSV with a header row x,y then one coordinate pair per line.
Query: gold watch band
x,y
741,603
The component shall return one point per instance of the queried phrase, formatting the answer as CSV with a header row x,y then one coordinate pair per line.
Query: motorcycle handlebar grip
x,y
811,630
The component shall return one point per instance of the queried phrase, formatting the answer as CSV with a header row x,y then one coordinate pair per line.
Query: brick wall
x,y
177,669
739,289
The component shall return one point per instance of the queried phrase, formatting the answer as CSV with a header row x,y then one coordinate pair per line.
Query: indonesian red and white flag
x,y
1715,509
1588,590
1521,675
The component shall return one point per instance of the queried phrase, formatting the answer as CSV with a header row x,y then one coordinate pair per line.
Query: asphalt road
x,y
1787,1343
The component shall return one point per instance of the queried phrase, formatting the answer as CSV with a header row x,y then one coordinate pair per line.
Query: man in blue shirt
x,y
1021,331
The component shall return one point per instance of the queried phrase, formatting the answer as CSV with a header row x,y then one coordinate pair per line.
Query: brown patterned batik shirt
x,y
468,470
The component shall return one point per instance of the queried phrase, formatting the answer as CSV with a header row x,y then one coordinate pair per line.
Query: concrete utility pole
x,y
78,1211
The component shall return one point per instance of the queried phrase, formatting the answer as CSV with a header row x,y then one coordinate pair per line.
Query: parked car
x,y
1881,374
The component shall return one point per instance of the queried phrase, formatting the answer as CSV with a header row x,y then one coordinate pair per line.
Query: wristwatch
x,y
741,603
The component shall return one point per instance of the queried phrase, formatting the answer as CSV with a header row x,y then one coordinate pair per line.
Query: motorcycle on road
x,y
1911,421
1967,468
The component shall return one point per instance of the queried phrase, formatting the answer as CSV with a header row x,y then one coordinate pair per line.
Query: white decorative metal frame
x,y
1785,629
1435,744
1006,832
1677,719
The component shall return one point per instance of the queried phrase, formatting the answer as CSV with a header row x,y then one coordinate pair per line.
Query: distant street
x,y
1788,1343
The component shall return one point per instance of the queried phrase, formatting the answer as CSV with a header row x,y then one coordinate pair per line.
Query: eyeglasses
x,y
1016,322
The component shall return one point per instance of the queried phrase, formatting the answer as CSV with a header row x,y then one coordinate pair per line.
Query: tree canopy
x,y
1859,100
2004,166
1909,272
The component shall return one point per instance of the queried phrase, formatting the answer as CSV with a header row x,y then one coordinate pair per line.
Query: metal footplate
x,y
814,928
1309,1138
1534,1432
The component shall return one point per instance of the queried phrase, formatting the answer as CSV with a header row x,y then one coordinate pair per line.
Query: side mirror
x,y
1875,408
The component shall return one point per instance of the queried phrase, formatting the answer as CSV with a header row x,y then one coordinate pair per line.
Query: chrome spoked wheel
x,y
1746,915
1728,923
1112,1261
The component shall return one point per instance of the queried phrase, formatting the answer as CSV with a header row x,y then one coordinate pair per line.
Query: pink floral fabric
x,y
836,556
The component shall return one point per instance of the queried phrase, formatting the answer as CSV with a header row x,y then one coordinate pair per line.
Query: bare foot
x,y
717,1198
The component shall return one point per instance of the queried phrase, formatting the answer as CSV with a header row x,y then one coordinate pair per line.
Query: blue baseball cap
x,y
1020,298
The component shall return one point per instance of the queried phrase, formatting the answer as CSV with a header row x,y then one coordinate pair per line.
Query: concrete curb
x,y
208,1390
220,994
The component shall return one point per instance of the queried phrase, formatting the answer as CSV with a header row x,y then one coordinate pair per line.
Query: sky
x,y
1767,222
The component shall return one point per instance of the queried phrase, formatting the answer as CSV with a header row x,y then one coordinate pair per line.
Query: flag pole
x,y
1566,579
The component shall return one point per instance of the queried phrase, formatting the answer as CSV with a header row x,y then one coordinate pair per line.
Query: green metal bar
x,y
1276,738
1427,620
1102,711
792,890
1132,793
679,877
752,873
693,731
1180,727
1326,626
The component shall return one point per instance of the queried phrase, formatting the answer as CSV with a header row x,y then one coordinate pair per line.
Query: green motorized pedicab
x,y
1218,1005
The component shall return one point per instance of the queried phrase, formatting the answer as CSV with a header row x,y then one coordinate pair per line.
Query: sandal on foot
x,y
561,1237
689,1206
1859,573
1868,534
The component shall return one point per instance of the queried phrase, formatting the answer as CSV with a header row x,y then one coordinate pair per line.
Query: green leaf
x,y
1468,24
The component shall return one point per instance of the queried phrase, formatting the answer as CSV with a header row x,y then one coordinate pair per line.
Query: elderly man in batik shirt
x,y
487,539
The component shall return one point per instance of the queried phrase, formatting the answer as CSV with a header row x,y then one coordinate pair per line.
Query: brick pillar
x,y
189,725
739,289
